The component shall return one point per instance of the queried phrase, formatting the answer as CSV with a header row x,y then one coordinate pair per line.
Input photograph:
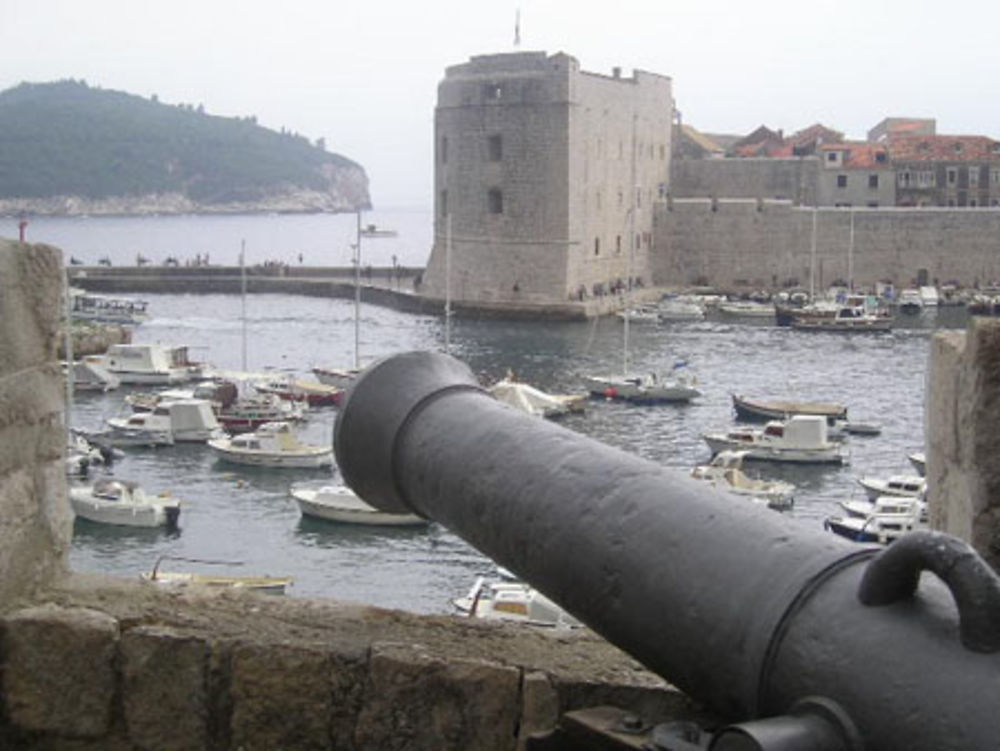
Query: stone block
x,y
539,706
164,689
282,697
58,671
416,701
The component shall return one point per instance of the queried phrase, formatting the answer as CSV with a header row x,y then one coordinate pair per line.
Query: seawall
x,y
767,244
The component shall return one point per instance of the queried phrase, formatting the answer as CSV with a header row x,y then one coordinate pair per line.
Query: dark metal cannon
x,y
807,640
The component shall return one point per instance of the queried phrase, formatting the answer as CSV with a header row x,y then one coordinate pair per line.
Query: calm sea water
x,y
247,516
320,239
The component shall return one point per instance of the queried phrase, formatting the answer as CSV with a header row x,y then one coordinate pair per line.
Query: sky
x,y
363,75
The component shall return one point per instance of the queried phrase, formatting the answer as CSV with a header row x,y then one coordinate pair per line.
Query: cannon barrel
x,y
751,612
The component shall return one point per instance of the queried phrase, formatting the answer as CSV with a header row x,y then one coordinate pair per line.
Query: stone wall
x,y
769,244
962,426
793,179
34,512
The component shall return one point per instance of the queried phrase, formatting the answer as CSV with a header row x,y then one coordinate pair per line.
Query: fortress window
x,y
496,148
444,149
952,175
618,244
597,246
974,175
444,203
841,181
495,201
492,91
872,181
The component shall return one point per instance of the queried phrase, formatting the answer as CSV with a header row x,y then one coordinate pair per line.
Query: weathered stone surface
x,y
35,520
539,706
165,689
962,428
58,671
416,701
281,697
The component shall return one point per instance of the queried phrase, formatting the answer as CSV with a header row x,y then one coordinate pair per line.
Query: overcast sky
x,y
364,74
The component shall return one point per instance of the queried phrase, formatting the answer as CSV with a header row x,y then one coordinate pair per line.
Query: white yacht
x,y
149,364
800,438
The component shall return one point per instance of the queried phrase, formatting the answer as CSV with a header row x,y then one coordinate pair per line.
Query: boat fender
x,y
610,392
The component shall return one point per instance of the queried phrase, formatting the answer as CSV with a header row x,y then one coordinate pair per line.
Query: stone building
x,y
946,170
856,174
544,179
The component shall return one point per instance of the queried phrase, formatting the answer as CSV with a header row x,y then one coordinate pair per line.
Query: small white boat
x,y
640,315
644,389
862,509
800,438
513,601
273,444
336,377
149,364
313,393
890,518
919,462
250,411
373,231
673,309
121,503
338,503
725,471
272,585
910,302
907,486
141,429
535,401
747,309
86,306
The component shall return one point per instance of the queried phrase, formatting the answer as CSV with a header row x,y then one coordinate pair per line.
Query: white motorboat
x,y
336,377
673,309
338,503
890,519
86,306
645,314
910,302
643,389
862,509
513,601
313,393
250,411
121,503
907,486
535,401
273,444
149,364
141,429
800,438
919,461
747,309
725,471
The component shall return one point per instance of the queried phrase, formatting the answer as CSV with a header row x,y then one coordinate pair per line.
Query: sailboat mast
x,y
631,249
243,299
70,374
447,286
812,261
850,256
357,296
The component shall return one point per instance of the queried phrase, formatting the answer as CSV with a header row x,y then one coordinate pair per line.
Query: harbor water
x,y
245,517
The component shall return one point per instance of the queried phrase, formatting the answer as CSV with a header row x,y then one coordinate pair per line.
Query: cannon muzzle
x,y
751,612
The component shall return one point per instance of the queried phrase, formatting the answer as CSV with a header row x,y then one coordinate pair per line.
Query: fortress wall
x,y
735,242
35,520
786,179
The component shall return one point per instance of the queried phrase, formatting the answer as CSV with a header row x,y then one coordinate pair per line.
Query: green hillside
x,y
67,138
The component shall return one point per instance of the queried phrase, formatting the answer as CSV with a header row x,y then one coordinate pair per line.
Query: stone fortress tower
x,y
545,178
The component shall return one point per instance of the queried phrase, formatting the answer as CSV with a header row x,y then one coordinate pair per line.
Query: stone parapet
x,y
109,664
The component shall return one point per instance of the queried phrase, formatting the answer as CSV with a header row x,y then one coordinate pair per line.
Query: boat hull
x,y
349,509
827,455
314,460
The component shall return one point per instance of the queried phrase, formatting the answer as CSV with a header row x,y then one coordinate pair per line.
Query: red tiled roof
x,y
859,154
916,148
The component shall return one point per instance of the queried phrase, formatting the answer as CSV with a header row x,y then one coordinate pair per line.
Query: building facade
x,y
545,178
856,174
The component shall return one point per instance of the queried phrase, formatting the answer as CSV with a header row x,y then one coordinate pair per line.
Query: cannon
x,y
798,638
